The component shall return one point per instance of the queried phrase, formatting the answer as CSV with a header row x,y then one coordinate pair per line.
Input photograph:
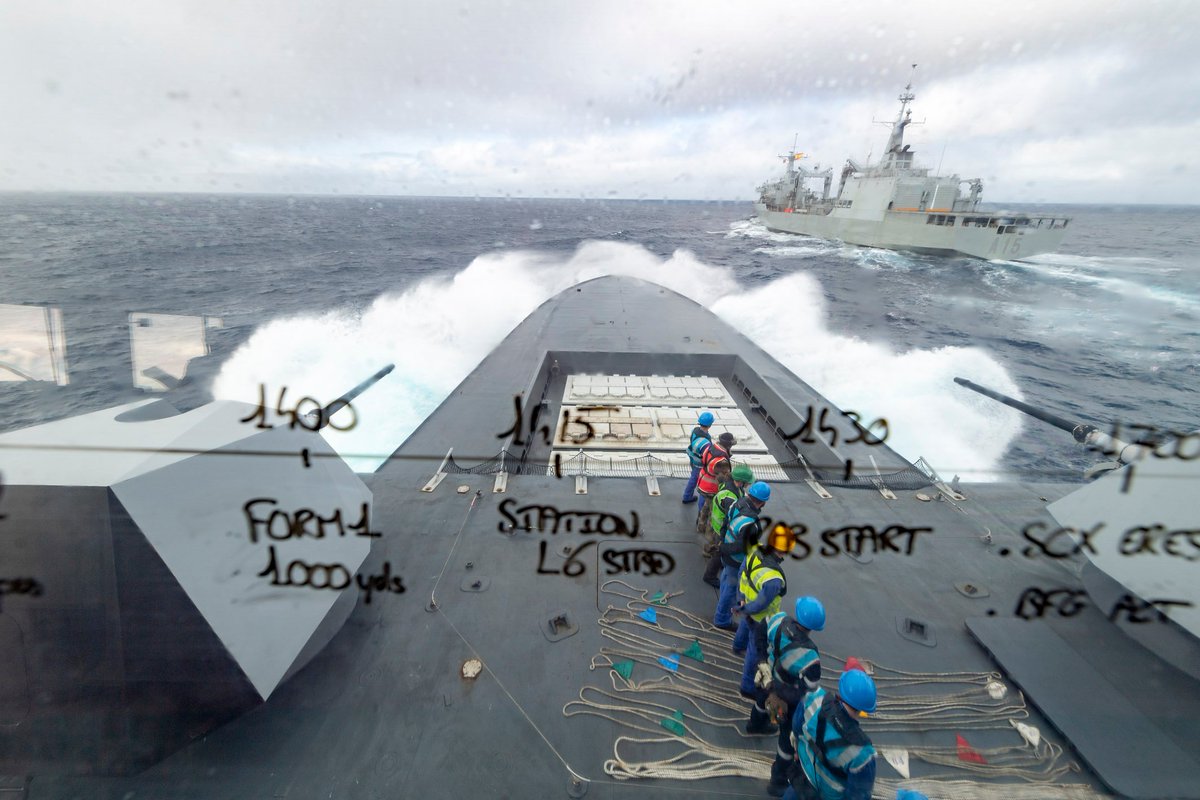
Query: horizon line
x,y
481,197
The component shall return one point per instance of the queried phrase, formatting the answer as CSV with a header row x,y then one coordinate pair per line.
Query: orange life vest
x,y
715,454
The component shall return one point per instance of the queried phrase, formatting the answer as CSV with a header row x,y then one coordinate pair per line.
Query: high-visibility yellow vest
x,y
728,491
755,573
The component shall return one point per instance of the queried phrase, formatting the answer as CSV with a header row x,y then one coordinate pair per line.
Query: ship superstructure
x,y
898,205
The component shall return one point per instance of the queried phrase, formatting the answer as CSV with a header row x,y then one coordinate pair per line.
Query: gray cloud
x,y
618,98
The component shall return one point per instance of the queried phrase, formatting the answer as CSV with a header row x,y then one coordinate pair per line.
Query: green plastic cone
x,y
674,723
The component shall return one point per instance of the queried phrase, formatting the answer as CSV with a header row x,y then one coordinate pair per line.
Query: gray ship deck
x,y
384,711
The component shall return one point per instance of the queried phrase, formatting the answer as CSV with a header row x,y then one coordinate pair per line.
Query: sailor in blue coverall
x,y
789,670
695,452
834,758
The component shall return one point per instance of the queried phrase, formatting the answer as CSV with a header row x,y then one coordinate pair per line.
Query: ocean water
x,y
316,293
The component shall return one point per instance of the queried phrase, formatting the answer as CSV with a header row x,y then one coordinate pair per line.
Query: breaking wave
x,y
754,229
794,245
1109,273
438,330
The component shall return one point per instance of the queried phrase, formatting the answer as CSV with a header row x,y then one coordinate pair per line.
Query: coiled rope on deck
x,y
973,707
705,693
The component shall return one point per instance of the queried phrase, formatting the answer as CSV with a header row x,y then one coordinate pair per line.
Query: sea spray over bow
x,y
438,330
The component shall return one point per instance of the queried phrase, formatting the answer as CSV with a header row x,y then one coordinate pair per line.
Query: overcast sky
x,y
1048,101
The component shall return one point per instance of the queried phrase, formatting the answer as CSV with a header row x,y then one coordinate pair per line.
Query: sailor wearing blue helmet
x,y
695,452
741,532
835,759
789,670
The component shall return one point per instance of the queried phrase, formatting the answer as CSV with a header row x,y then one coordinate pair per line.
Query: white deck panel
x,y
647,390
649,428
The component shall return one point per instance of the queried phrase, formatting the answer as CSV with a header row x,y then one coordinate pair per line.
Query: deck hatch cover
x,y
916,630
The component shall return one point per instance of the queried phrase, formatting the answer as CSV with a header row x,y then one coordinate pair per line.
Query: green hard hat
x,y
742,474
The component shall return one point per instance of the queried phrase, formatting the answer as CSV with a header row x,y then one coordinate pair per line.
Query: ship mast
x,y
894,154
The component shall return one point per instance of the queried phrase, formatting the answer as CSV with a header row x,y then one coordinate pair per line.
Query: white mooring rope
x,y
701,698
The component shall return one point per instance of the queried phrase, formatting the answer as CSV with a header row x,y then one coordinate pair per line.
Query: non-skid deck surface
x,y
1132,755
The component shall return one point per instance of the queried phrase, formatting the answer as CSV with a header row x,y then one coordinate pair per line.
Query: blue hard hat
x,y
810,613
759,491
857,690
909,794
706,419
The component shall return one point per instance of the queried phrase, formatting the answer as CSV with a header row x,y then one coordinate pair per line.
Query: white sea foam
x,y
875,258
438,330
793,251
1106,273
788,245
955,429
754,229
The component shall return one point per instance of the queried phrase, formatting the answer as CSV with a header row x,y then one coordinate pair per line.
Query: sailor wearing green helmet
x,y
731,491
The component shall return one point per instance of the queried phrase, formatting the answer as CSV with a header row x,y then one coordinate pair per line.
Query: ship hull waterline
x,y
911,231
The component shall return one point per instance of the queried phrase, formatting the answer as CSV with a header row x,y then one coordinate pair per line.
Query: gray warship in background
x,y
202,600
898,205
